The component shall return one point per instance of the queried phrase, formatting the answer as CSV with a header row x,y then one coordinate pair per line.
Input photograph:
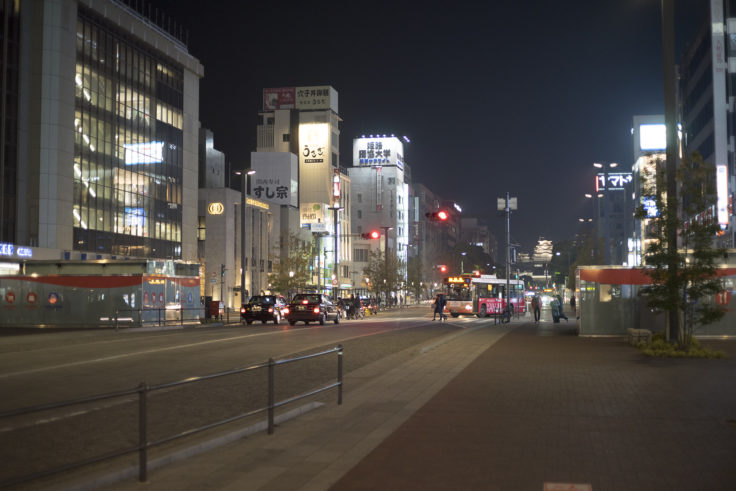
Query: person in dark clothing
x,y
536,308
572,303
560,312
439,307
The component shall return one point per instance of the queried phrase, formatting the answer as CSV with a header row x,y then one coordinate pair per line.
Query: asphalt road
x,y
56,366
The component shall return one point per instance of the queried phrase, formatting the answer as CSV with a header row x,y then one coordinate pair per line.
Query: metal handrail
x,y
158,321
143,389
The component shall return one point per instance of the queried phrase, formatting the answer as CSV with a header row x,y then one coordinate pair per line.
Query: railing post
x,y
271,370
339,374
116,319
159,317
181,315
142,433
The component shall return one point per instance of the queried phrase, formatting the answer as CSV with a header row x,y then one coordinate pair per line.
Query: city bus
x,y
482,295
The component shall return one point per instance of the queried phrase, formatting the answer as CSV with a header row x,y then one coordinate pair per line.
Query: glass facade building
x,y
100,122
128,141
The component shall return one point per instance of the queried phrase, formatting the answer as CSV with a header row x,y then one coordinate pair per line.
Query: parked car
x,y
312,307
263,308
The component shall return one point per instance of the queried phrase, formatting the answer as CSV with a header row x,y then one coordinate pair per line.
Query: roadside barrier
x,y
143,390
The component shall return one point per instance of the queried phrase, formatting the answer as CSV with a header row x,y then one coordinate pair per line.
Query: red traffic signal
x,y
443,268
438,216
373,234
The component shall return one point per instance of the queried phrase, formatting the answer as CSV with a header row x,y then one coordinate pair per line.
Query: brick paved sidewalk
x,y
541,406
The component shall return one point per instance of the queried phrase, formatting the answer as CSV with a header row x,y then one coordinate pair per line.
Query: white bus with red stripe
x,y
482,295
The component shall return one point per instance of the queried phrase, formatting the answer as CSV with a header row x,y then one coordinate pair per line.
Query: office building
x,y
380,199
707,90
100,119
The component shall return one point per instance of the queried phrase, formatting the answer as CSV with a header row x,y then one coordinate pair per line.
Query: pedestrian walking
x,y
572,303
439,307
536,308
560,311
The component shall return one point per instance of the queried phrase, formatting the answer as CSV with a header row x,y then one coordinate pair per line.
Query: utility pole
x,y
507,204
670,119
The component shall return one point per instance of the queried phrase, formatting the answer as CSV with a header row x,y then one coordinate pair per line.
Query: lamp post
x,y
245,174
336,287
385,256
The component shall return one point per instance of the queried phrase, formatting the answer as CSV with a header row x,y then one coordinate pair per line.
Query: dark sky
x,y
495,96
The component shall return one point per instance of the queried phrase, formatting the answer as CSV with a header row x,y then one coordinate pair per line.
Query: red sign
x,y
279,98
10,297
724,297
31,298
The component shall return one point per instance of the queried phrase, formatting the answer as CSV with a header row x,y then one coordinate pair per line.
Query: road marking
x,y
185,346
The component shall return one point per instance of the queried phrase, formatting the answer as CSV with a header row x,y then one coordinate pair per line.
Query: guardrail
x,y
144,389
156,317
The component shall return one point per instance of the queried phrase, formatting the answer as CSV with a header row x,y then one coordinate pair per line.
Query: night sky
x,y
520,96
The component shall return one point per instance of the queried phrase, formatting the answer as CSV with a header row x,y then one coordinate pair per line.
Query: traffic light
x,y
222,270
373,234
438,216
442,268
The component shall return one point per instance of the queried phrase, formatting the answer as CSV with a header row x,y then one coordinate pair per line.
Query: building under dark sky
x,y
517,97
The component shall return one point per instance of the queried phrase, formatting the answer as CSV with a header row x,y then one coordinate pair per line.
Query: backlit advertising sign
x,y
314,142
652,137
374,151
612,180
722,195
144,153
314,215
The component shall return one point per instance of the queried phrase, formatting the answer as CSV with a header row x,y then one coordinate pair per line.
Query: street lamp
x,y
385,256
245,174
336,273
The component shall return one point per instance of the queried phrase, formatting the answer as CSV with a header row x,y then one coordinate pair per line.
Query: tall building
x,y
650,143
614,217
305,122
100,133
380,189
707,91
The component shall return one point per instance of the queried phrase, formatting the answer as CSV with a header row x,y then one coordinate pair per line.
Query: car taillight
x,y
285,310
316,310
305,302
242,310
270,309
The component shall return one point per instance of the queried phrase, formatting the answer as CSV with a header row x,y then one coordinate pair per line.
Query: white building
x,y
380,199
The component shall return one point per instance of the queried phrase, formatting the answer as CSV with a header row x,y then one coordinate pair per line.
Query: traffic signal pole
x,y
508,252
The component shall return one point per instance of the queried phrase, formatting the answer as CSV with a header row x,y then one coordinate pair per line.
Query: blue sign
x,y
189,297
6,249
24,251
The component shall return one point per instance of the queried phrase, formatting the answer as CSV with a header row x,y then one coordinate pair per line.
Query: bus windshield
x,y
458,291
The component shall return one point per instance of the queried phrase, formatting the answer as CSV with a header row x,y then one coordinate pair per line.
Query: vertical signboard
x,y
314,142
722,195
